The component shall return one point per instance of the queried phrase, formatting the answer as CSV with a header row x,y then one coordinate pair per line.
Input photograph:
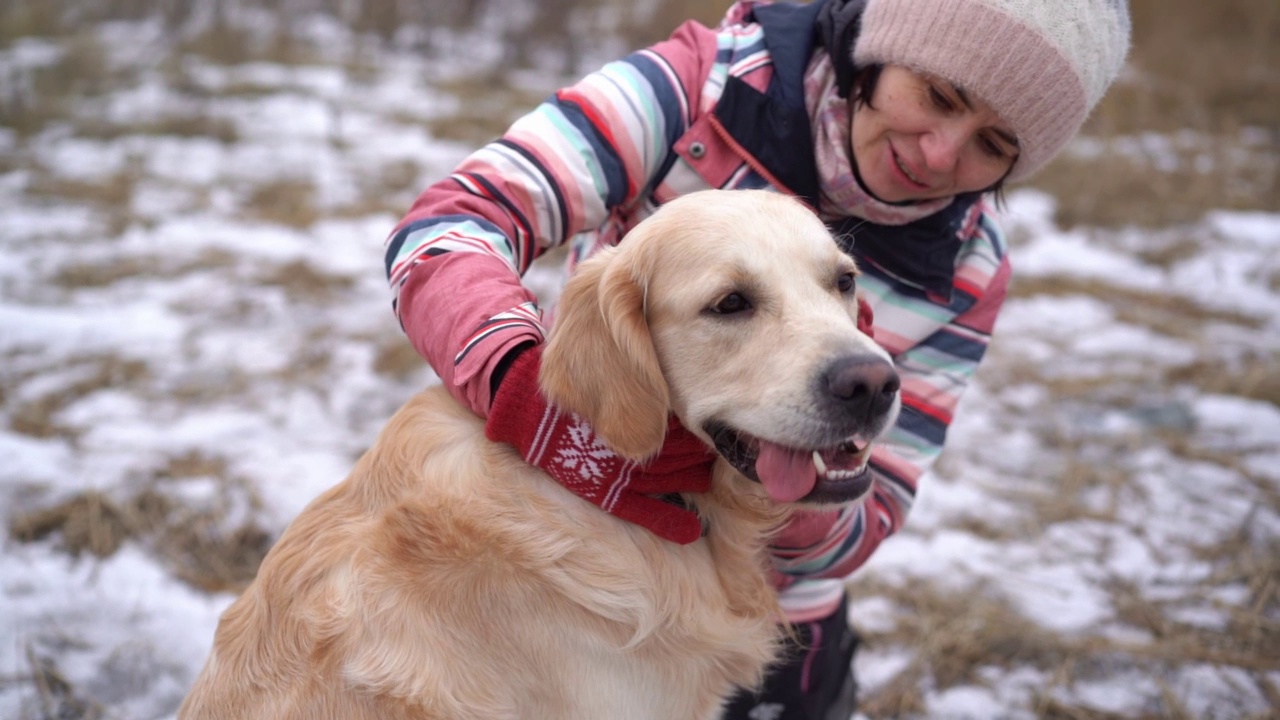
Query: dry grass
x,y
108,194
1207,68
46,93
397,359
1251,375
103,273
290,201
228,43
389,188
51,18
1169,315
56,697
199,545
1158,187
303,283
956,633
37,416
1254,377
87,523
953,634
184,126
111,195
32,18
1215,63
487,105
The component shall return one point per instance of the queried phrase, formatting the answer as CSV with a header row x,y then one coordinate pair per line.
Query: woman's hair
x,y
865,81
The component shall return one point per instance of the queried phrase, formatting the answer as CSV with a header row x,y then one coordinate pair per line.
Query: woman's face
x,y
921,137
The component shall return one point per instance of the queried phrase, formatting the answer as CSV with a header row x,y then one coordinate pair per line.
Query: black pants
x,y
811,680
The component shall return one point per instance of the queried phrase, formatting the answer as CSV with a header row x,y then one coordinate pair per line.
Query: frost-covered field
x,y
195,340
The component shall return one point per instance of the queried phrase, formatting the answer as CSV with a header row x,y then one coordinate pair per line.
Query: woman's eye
x,y
992,148
846,282
941,101
731,304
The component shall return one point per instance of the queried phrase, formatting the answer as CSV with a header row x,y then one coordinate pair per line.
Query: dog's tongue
x,y
787,474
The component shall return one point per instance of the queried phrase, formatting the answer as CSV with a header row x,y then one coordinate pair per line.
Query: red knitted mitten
x,y
566,447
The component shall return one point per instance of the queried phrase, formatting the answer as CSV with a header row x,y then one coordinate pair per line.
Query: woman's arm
x,y
454,262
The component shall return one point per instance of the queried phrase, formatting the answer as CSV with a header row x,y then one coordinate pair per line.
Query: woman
x,y
896,120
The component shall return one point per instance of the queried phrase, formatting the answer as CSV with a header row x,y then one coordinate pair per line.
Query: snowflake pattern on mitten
x,y
567,448
583,452
579,458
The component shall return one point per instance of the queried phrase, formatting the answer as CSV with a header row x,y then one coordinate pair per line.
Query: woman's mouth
x,y
910,177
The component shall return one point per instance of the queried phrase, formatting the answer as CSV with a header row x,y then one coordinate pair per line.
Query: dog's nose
x,y
864,386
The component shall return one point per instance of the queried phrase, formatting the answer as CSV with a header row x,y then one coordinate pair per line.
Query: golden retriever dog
x,y
447,578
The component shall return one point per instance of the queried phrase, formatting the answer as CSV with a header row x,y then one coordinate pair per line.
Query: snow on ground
x,y
168,328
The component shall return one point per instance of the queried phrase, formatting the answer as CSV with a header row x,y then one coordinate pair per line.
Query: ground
x,y
196,339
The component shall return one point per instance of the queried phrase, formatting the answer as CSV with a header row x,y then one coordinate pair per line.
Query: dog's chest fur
x,y
447,579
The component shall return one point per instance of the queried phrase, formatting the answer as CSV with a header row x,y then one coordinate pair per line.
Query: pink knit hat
x,y
1042,65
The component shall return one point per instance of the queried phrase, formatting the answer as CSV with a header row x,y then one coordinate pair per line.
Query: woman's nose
x,y
943,145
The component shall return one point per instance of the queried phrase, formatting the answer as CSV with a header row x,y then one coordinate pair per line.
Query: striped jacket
x,y
708,107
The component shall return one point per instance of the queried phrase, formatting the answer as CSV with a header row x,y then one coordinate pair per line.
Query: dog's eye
x,y
846,282
731,304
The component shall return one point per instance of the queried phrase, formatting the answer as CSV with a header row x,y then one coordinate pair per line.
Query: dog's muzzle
x,y
855,399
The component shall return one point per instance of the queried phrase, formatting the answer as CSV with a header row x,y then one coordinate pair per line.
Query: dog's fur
x,y
446,578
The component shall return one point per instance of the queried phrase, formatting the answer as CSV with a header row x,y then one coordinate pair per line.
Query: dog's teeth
x,y
864,457
818,463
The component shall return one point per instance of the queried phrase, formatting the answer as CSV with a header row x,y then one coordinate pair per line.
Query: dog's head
x,y
737,311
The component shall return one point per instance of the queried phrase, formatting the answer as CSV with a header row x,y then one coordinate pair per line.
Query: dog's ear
x,y
600,361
